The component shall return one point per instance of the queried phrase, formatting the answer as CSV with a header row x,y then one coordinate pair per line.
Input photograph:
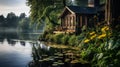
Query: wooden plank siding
x,y
80,19
68,22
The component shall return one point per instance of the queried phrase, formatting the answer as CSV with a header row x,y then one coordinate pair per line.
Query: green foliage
x,y
87,54
60,38
49,37
65,39
24,24
101,47
57,38
73,40
42,10
49,28
13,21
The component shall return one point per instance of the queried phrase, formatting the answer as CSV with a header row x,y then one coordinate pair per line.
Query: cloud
x,y
11,2
16,6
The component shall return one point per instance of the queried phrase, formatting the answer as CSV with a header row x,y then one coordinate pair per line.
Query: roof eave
x,y
64,11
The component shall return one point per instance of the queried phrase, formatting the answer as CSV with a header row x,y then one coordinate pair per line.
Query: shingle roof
x,y
83,10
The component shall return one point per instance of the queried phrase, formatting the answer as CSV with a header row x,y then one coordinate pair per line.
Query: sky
x,y
16,6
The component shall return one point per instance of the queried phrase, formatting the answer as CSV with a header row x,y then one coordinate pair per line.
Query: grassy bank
x,y
99,46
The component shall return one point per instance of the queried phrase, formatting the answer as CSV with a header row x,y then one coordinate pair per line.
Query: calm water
x,y
23,50
15,49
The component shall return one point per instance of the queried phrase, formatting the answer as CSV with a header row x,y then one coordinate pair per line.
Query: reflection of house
x,y
73,18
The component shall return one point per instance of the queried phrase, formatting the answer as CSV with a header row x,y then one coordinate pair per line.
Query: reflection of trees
x,y
23,36
28,36
2,20
9,37
11,42
22,43
1,37
38,52
1,40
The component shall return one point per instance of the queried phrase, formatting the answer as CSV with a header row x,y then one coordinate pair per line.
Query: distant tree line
x,y
11,20
21,23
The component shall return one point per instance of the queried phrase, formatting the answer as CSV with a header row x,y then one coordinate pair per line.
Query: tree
x,y
2,20
22,15
41,9
81,2
24,24
11,20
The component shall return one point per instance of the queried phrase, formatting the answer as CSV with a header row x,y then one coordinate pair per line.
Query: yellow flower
x,y
92,33
86,41
102,36
92,37
104,29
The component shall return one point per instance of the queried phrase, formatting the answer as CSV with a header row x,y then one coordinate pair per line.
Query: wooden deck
x,y
64,29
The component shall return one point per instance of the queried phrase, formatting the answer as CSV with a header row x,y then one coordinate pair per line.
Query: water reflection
x,y
16,49
22,43
14,54
18,36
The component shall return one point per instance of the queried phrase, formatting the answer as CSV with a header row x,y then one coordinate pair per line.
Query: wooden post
x,y
86,20
108,11
81,22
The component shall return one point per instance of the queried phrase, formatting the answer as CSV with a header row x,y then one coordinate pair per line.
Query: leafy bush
x,y
57,38
102,48
73,40
65,39
87,54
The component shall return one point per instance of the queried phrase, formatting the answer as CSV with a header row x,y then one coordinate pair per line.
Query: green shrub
x,y
65,39
87,54
57,38
47,37
50,39
72,40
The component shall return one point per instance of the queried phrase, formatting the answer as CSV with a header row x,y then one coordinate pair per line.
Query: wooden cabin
x,y
73,18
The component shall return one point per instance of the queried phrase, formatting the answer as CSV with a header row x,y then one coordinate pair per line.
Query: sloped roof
x,y
82,10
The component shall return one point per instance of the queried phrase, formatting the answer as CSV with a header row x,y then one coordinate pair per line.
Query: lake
x,y
24,50
16,48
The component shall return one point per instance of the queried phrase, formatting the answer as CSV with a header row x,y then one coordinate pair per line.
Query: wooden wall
x,y
68,21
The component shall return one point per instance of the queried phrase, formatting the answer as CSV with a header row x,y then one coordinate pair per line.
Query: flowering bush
x,y
104,33
103,45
